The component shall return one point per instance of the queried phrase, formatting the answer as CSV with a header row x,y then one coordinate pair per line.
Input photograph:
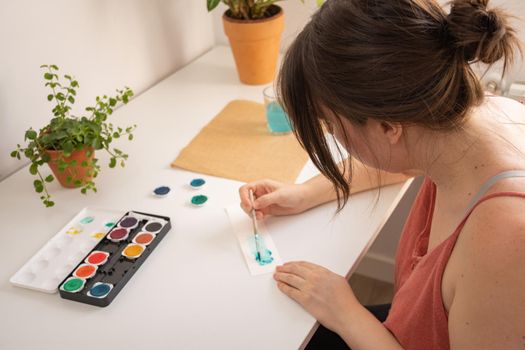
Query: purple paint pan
x,y
129,222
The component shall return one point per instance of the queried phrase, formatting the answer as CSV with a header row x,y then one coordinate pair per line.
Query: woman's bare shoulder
x,y
497,227
488,306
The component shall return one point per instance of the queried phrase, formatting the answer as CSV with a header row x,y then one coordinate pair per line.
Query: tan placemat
x,y
236,145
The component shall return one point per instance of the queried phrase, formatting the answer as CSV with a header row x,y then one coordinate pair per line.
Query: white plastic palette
x,y
55,260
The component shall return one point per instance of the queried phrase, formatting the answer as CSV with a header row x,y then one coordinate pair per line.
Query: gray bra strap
x,y
488,184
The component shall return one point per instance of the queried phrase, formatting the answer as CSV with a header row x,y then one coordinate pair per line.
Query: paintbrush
x,y
255,230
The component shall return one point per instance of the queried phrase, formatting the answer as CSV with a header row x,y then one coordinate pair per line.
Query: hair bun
x,y
490,23
480,34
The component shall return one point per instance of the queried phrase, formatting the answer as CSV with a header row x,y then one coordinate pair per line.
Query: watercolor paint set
x,y
91,265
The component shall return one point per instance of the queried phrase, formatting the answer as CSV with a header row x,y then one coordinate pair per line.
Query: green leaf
x,y
68,147
49,97
71,99
130,137
74,83
97,144
33,169
30,134
14,153
112,102
211,4
54,67
112,162
39,186
28,153
49,203
48,76
49,178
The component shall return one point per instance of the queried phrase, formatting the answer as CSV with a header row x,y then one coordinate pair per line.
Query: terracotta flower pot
x,y
78,172
255,45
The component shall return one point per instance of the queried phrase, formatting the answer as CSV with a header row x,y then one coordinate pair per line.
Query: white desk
x,y
194,291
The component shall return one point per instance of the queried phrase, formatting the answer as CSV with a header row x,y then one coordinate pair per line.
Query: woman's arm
x,y
361,330
320,189
275,198
329,298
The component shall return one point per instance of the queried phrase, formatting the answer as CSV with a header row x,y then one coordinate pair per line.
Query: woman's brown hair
x,y
403,61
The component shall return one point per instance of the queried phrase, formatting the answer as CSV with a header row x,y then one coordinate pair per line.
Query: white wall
x,y
106,44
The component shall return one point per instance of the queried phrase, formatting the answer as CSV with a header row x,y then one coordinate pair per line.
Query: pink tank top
x,y
418,318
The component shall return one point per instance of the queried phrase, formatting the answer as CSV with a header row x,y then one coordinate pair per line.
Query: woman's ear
x,y
392,131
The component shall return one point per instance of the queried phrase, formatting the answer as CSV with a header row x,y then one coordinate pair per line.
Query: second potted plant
x,y
254,29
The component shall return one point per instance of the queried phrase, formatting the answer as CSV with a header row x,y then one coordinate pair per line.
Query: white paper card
x,y
243,230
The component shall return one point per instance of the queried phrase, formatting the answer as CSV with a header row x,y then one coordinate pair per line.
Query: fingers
x,y
244,194
291,292
259,188
290,279
267,200
295,268
264,197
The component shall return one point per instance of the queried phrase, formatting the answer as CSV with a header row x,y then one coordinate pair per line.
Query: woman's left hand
x,y
324,294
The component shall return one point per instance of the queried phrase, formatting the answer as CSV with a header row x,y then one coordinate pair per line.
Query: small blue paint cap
x,y
161,191
197,183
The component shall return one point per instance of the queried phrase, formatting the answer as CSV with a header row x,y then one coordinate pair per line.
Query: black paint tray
x,y
96,280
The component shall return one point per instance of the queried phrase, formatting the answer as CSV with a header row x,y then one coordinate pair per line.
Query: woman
x,y
391,81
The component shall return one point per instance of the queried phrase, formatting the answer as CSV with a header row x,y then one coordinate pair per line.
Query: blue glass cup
x,y
276,119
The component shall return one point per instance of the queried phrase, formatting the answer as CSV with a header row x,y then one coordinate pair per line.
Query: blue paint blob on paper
x,y
264,255
87,220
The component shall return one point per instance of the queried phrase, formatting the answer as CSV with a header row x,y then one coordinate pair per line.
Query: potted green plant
x,y
68,143
253,28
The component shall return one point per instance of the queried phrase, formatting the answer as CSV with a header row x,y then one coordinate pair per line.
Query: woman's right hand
x,y
274,198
